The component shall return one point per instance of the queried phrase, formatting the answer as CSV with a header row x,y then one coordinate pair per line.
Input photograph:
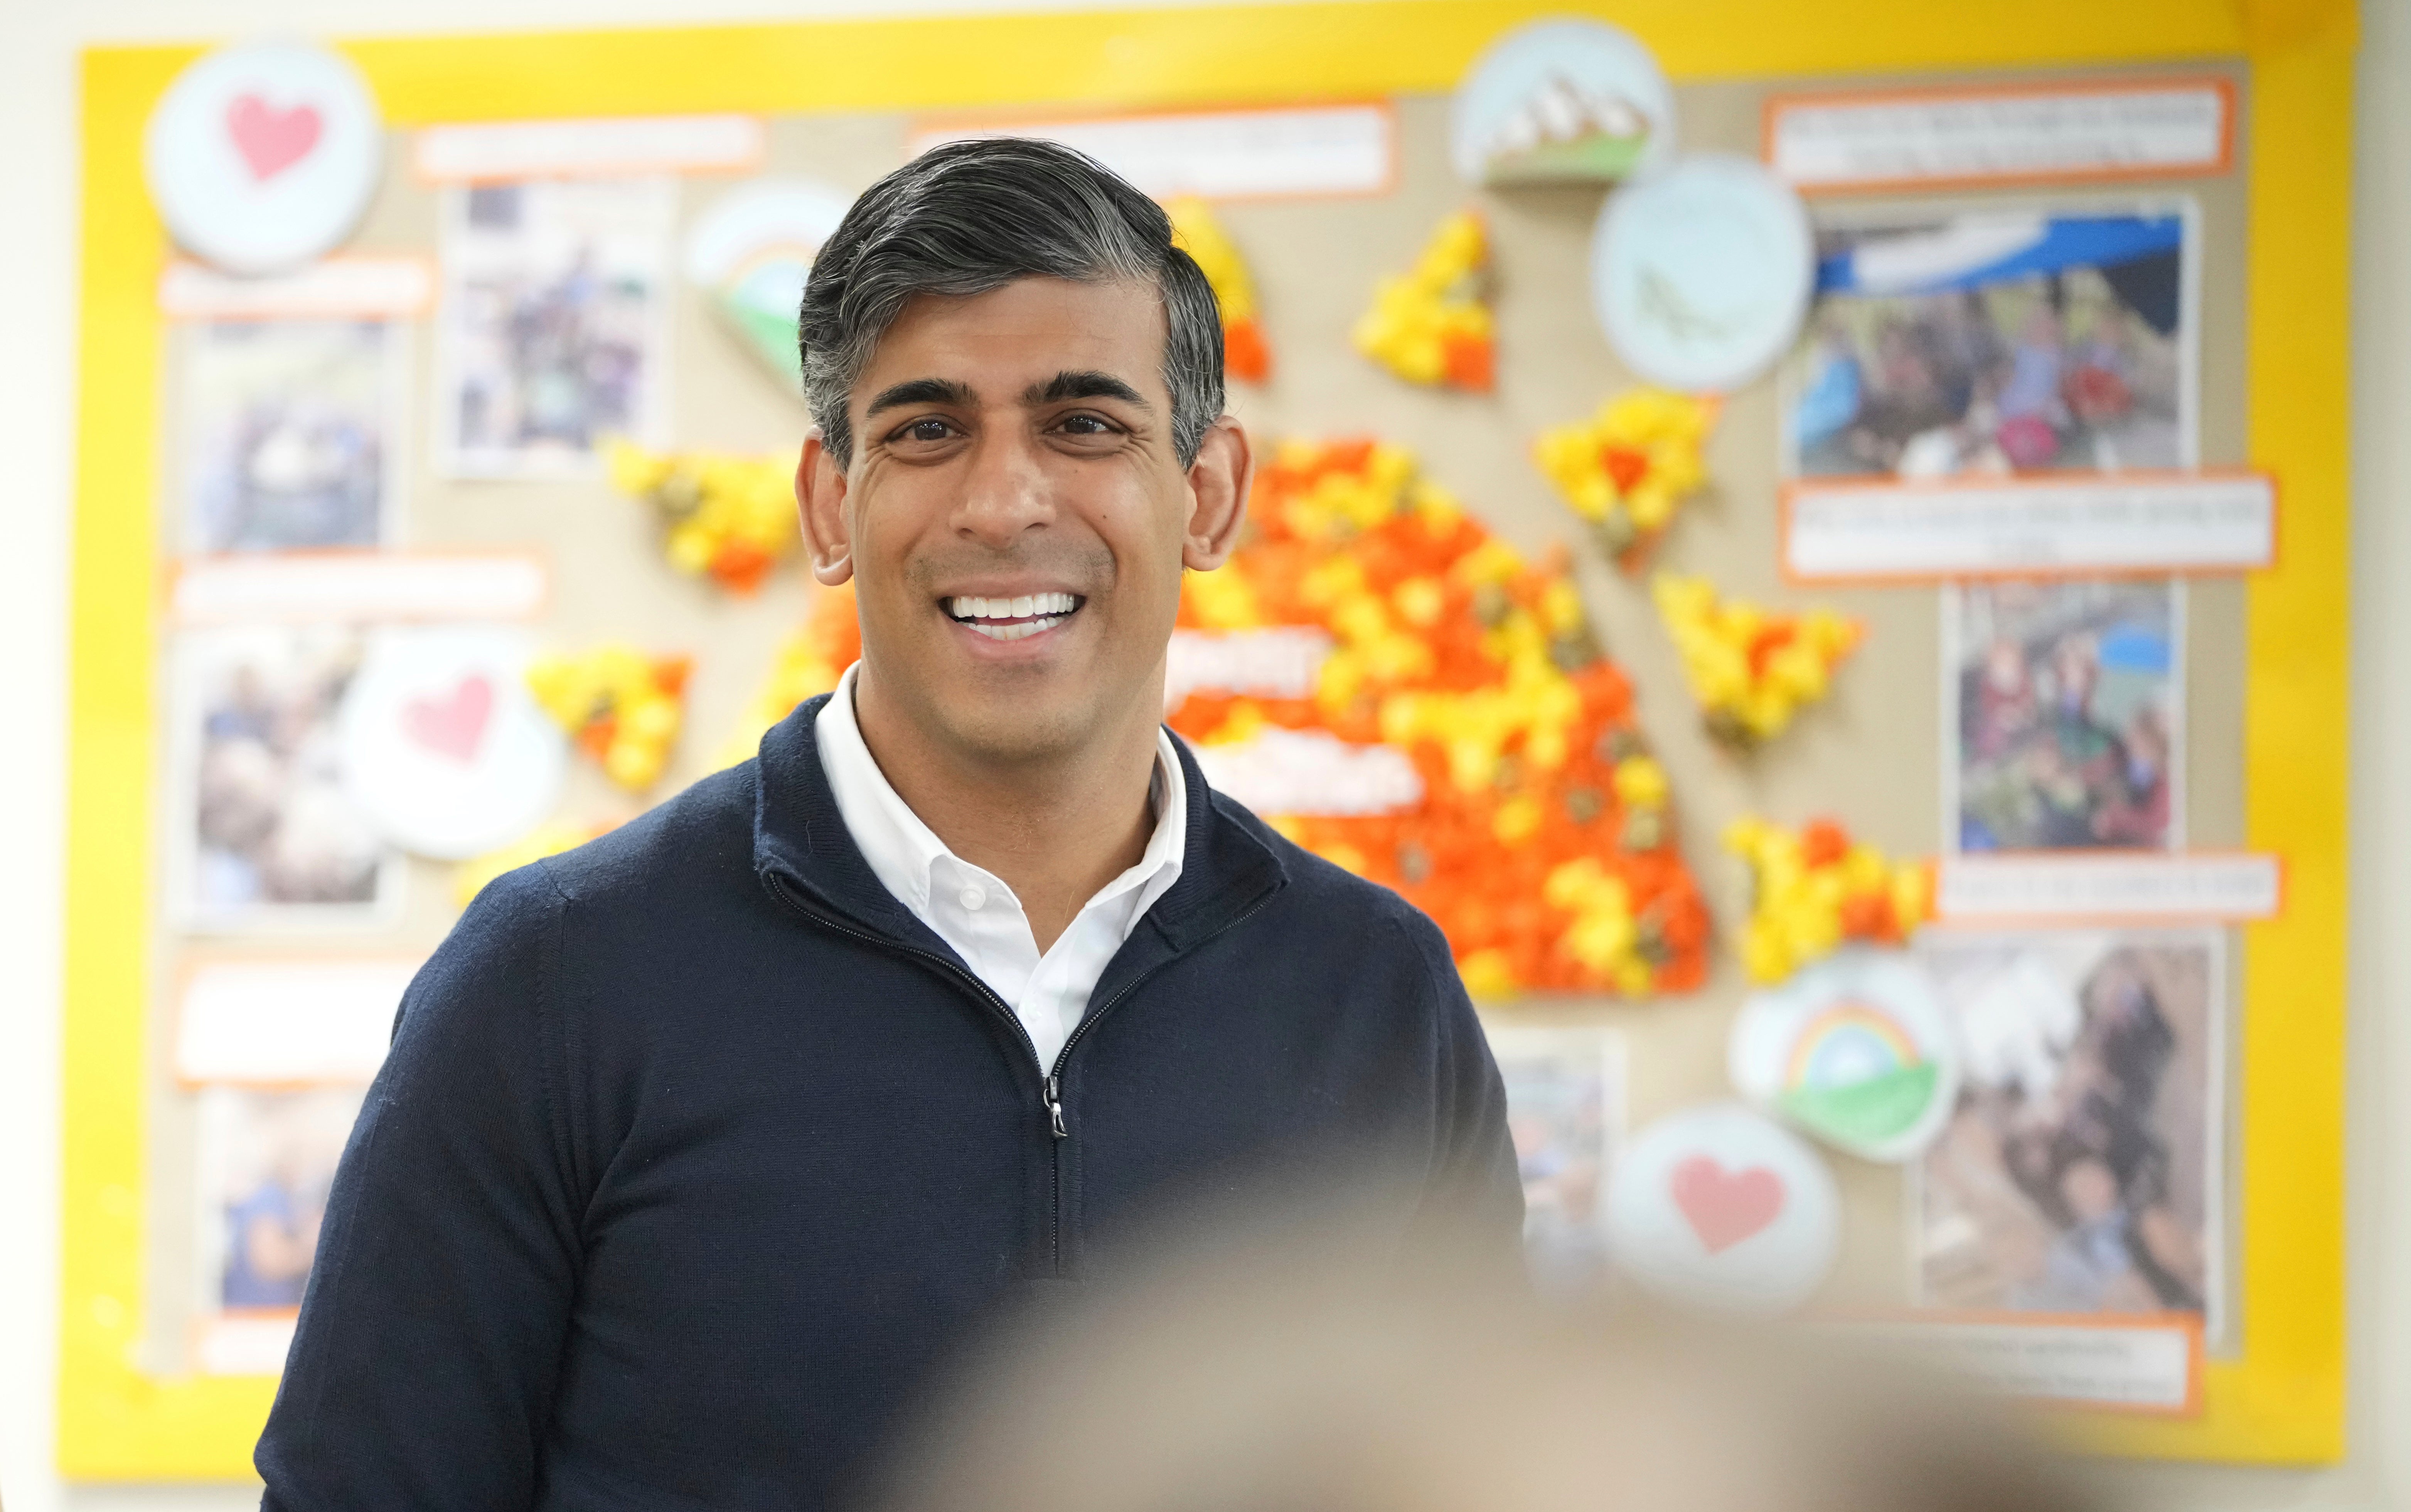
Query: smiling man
x,y
700,1147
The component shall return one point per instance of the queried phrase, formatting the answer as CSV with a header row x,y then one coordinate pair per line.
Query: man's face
x,y
1015,518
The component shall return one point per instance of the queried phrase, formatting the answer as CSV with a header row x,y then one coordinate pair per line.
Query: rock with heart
x,y
443,750
1719,1207
262,156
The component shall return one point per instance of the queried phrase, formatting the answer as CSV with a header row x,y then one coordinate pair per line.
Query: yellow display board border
x,y
2281,1399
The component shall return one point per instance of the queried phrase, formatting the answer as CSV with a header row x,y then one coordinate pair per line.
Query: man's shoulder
x,y
1339,906
680,848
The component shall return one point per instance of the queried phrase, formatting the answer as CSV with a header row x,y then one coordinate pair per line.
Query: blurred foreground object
x,y
1288,1380
1433,326
730,518
1197,231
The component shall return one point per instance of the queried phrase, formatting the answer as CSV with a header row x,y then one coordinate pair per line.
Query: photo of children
x,y
1565,1110
1992,344
2080,1172
290,434
554,329
266,1161
2068,727
267,836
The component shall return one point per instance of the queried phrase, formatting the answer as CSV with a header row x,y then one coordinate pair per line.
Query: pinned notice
x,y
1221,154
2210,522
2146,1365
1927,140
356,587
2048,885
277,1022
607,148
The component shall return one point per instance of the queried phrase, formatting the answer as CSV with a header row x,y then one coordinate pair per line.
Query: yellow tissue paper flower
x,y
1751,669
619,705
1432,326
1628,466
809,663
1198,231
1814,888
729,517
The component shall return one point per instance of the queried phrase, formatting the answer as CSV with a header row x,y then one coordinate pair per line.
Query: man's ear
x,y
1218,496
820,506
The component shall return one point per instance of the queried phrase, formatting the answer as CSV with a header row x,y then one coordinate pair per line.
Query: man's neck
x,y
1055,831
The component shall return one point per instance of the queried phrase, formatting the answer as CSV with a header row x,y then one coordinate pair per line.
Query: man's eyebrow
x,y
923,391
1083,384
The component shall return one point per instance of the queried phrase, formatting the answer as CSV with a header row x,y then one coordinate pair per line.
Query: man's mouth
x,y
1011,619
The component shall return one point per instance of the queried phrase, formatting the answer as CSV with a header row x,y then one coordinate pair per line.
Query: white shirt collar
x,y
905,853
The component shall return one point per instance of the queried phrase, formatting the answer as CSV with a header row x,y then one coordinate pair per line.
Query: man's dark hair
x,y
972,216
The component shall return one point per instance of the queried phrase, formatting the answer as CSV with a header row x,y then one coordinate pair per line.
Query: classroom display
x,y
1860,941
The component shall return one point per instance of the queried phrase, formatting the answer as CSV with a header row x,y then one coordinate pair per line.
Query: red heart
x,y
270,140
454,725
1725,1207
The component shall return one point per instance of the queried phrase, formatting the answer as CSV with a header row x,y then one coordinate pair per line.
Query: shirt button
x,y
972,899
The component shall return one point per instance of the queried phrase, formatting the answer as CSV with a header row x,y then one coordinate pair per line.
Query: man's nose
x,y
1005,492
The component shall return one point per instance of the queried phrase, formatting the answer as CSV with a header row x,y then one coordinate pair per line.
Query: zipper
x,y
1051,1093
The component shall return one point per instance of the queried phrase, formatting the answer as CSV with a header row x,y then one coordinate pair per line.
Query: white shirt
x,y
973,910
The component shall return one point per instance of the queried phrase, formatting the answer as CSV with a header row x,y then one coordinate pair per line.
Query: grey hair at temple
x,y
972,216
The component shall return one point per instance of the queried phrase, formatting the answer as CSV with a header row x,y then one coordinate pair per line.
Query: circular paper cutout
x,y
1855,1050
749,254
1702,275
1562,102
1720,1207
443,749
261,156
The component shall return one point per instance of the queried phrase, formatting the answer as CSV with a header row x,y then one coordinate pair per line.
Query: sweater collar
x,y
801,839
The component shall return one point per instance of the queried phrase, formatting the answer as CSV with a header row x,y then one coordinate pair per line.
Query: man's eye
x,y
929,430
1087,425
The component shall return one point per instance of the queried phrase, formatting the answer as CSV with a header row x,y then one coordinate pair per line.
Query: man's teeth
x,y
1010,619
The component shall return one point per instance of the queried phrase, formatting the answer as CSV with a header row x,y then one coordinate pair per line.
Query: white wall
x,y
38,39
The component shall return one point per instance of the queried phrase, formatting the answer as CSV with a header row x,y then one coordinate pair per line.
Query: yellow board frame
x,y
2282,1401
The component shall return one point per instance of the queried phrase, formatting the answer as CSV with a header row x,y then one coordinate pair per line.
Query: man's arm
x,y
1474,1197
423,1372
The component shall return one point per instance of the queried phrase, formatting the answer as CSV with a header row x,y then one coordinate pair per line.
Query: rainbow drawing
x,y
1855,1074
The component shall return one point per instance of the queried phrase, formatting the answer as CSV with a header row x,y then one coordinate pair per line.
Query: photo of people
x,y
2080,1172
266,1161
267,836
290,433
2069,728
1997,345
1565,1110
555,322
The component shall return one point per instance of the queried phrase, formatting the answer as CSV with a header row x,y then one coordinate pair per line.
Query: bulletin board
x,y
2262,678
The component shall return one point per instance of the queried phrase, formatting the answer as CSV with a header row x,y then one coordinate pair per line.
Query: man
x,y
700,1146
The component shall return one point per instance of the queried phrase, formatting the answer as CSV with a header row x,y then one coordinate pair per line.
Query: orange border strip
x,y
1786,491
1777,103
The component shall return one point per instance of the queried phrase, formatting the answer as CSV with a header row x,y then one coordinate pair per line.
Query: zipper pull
x,y
1054,1106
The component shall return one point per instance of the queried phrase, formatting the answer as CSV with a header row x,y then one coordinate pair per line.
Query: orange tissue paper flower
x,y
1814,888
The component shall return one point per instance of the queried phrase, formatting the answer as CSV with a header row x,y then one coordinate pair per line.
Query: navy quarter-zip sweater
x,y
696,1151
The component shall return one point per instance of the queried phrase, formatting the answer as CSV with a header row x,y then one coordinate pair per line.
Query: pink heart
x,y
270,140
454,725
1725,1207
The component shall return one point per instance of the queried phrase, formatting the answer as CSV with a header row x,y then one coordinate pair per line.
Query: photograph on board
x,y
1565,1110
1996,343
265,1162
292,433
2081,1171
2065,715
262,835
553,335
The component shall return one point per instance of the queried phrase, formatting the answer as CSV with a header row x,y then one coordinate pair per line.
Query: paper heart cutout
x,y
453,726
1725,1207
271,141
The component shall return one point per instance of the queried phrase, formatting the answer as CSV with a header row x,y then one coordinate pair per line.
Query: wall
x,y
37,176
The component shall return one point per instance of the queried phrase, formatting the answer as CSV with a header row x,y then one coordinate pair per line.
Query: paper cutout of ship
x,y
1567,133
